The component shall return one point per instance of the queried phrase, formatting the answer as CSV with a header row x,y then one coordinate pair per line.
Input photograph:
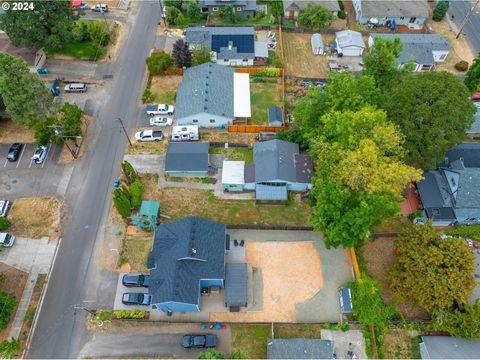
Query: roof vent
x,y
194,251
204,108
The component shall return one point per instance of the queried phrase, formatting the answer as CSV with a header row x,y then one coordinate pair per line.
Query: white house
x,y
349,43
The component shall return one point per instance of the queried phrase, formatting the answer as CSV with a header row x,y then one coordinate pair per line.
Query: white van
x,y
77,87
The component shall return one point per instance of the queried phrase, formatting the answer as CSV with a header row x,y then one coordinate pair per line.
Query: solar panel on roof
x,y
243,43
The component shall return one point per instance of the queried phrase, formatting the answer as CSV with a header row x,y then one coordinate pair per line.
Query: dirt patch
x,y
11,132
285,266
299,59
379,256
14,283
222,136
164,88
44,222
398,344
190,179
152,148
66,156
118,32
135,250
32,308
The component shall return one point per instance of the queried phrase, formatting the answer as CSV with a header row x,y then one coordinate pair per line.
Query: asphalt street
x,y
459,9
75,279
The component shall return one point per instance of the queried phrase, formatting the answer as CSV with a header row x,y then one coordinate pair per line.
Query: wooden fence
x,y
254,128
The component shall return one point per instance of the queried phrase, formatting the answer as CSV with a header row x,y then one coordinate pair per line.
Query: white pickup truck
x,y
149,135
160,109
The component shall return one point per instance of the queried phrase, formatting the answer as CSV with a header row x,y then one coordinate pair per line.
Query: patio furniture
x,y
235,242
242,243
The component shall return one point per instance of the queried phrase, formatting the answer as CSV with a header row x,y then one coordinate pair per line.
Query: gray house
x,y
188,255
424,49
292,7
380,12
212,95
244,9
450,194
446,347
278,167
300,349
187,159
229,45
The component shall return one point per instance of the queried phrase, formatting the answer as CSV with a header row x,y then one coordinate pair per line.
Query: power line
x,y
465,20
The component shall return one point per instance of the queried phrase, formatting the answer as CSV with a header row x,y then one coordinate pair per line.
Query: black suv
x,y
135,280
136,299
14,152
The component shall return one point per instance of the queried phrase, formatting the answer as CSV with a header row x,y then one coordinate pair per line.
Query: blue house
x,y
188,256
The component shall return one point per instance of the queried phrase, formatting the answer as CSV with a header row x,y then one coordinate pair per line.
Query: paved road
x,y
60,332
460,8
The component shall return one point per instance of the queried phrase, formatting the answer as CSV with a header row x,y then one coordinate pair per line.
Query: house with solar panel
x,y
230,45
212,95
188,262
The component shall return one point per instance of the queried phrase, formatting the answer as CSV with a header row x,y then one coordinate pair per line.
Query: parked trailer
x,y
185,133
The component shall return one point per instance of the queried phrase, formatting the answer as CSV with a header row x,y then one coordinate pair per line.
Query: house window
x,y
239,8
412,20
204,10
214,8
402,18
245,60
226,60
212,121
195,121
442,57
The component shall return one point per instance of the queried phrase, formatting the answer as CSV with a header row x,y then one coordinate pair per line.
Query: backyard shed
x,y
349,43
275,116
148,215
317,44
236,289
233,173
187,159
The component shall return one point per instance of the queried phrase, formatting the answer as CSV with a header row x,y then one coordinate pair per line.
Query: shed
x,y
345,300
317,44
150,208
236,288
349,43
233,175
275,117
187,159
148,215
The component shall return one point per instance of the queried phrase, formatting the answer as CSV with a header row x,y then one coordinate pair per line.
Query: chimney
x,y
230,45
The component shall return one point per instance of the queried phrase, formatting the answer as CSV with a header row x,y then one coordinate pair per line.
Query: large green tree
x,y
430,271
25,95
472,78
433,111
381,61
315,17
49,25
463,324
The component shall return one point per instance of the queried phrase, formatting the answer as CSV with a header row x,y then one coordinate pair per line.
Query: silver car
x,y
40,154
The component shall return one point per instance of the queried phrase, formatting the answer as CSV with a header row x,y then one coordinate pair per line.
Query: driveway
x,y
155,341
345,341
24,178
70,69
118,305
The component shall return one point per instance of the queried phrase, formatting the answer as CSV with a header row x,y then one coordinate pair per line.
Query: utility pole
x,y
467,17
125,131
80,307
164,15
57,133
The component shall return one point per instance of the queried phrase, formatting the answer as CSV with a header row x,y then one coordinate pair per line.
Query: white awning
x,y
241,95
233,172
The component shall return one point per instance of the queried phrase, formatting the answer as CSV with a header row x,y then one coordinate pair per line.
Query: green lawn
x,y
262,96
240,154
84,50
167,97
135,250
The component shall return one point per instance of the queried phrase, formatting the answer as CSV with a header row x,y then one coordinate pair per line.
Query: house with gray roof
x,y
187,159
424,49
450,194
244,9
292,7
229,45
278,167
300,349
411,13
447,347
212,95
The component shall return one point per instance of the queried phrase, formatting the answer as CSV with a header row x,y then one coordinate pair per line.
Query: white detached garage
x,y
349,43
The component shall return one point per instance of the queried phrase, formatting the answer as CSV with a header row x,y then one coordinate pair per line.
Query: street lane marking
x,y
21,154
48,153
6,162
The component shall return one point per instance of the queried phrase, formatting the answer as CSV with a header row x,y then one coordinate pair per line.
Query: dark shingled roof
x,y
469,152
249,173
184,252
275,160
274,114
446,347
187,156
304,168
299,349
236,280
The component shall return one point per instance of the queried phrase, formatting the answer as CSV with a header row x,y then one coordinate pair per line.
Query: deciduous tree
x,y
463,324
181,54
70,120
193,10
200,56
433,111
158,62
315,17
175,3
174,15
472,78
430,271
381,61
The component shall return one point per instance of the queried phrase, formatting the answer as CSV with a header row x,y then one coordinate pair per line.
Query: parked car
x,y
136,299
475,97
75,87
160,109
149,135
14,152
4,207
136,280
6,239
40,154
99,7
160,121
199,341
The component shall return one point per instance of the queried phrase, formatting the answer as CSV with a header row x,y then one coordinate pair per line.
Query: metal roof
x,y
187,156
261,49
236,284
274,114
184,252
269,192
446,347
206,88
233,172
397,8
348,38
275,160
316,41
150,208
300,349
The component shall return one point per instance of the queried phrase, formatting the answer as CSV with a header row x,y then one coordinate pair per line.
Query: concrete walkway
x,y
23,305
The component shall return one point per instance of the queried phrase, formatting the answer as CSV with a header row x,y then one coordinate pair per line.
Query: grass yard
x,y
46,221
299,59
398,345
189,179
152,148
178,203
11,132
164,88
240,154
262,96
135,249
85,50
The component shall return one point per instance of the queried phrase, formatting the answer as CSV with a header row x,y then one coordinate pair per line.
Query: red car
x,y
475,97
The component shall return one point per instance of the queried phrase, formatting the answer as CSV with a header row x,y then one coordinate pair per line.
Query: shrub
x,y
462,65
193,10
211,354
269,72
259,15
466,231
200,56
98,32
136,191
463,324
238,354
4,223
10,348
7,304
105,315
133,314
121,201
158,62
341,14
340,5
274,60
440,10
129,172
174,16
